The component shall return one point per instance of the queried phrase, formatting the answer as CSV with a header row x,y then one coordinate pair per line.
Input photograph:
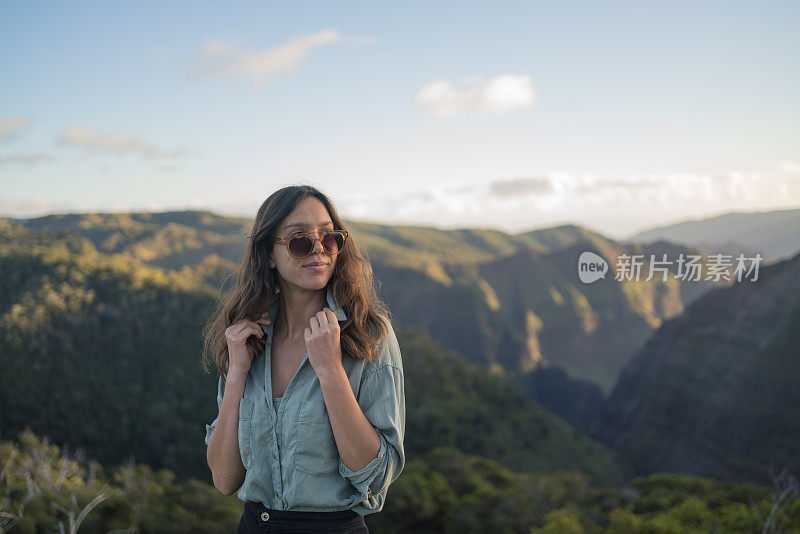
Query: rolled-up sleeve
x,y
382,399
220,390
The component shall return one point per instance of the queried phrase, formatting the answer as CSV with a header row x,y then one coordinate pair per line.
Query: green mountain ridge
x,y
509,301
114,347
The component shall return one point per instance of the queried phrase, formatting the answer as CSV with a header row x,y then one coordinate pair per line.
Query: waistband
x,y
299,514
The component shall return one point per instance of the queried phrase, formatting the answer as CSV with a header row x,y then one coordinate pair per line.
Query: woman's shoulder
x,y
388,348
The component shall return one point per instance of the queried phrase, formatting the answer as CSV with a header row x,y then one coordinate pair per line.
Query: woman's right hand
x,y
237,334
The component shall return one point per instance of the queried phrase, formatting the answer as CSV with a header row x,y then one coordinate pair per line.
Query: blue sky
x,y
512,115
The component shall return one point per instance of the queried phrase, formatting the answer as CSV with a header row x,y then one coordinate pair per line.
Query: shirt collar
x,y
334,306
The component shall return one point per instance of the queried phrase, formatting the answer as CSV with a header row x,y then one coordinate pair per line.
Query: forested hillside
x,y
715,391
102,352
501,300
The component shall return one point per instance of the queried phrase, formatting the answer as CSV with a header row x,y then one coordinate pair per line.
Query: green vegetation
x,y
444,491
100,319
714,392
450,402
42,489
101,352
472,288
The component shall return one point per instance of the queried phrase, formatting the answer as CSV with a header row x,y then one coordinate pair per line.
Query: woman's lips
x,y
320,267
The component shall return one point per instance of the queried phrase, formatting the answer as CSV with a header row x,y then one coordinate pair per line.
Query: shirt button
x,y
264,516
274,455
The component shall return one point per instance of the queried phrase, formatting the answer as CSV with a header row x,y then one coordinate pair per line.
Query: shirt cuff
x,y
362,478
209,431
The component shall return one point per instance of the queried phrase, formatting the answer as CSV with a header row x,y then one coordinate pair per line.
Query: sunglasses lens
x,y
300,247
333,242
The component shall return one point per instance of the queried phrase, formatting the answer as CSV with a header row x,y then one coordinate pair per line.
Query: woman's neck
x,y
295,311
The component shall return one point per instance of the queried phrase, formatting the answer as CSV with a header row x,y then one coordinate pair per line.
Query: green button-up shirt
x,y
290,455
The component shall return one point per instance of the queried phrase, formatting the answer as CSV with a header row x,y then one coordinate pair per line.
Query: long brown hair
x,y
351,284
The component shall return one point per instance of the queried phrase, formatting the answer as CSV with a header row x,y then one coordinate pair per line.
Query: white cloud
x,y
119,142
521,187
790,167
11,126
24,158
220,60
611,203
499,95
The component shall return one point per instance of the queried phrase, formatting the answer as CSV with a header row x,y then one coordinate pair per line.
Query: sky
x,y
618,116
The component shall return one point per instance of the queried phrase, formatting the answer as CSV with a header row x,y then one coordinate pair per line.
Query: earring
x,y
273,273
273,276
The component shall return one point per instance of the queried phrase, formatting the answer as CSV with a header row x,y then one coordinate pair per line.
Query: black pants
x,y
258,518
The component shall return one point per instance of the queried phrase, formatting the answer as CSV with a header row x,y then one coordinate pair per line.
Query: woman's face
x,y
310,216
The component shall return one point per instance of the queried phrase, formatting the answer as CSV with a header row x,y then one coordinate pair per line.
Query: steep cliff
x,y
716,391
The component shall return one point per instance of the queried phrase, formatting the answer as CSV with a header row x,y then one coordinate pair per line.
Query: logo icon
x,y
591,267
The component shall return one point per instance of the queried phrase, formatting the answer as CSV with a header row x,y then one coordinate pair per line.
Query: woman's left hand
x,y
323,342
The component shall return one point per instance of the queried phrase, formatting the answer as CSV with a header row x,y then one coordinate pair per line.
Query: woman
x,y
311,391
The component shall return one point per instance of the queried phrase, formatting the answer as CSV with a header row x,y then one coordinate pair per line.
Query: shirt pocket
x,y
316,453
245,421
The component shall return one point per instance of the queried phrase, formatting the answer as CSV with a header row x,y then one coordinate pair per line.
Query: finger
x,y
239,327
332,319
249,328
314,324
323,318
254,328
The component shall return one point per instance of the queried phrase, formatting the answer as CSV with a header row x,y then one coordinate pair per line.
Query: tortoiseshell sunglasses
x,y
301,246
